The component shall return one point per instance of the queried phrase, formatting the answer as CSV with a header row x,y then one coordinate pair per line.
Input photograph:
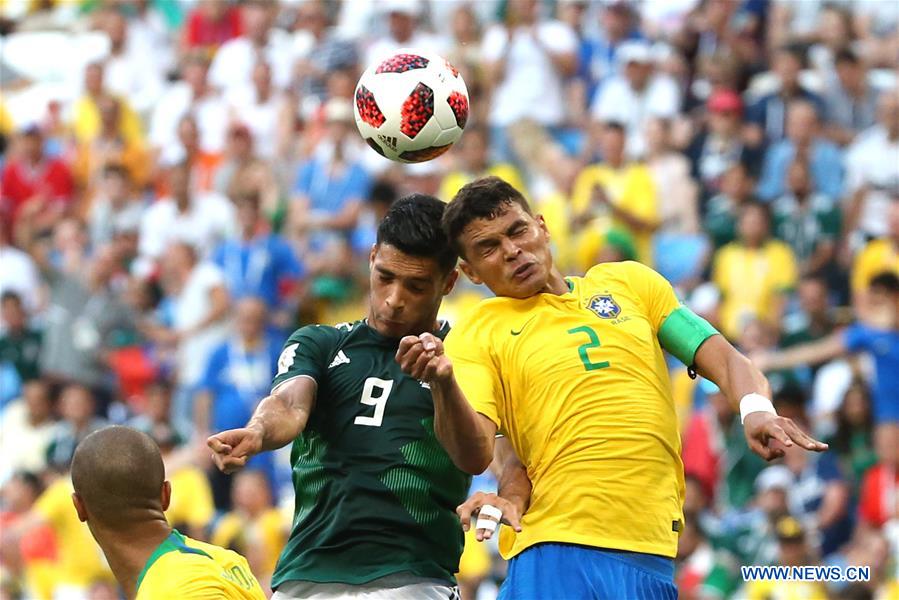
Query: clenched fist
x,y
422,357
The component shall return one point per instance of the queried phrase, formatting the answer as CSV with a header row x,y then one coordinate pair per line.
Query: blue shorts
x,y
570,572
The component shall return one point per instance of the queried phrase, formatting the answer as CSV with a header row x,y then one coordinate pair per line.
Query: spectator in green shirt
x,y
20,345
806,220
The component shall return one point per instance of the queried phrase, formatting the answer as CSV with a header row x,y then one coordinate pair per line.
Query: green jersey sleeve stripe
x,y
683,332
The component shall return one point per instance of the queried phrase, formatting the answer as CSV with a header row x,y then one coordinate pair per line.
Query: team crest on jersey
x,y
604,306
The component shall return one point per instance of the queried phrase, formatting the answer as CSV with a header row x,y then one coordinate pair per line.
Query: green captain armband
x,y
683,332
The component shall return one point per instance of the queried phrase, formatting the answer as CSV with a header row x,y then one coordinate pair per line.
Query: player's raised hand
x,y
768,434
422,357
232,449
484,508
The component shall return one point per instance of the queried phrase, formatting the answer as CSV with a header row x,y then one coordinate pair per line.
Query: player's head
x,y
412,267
883,297
501,243
119,479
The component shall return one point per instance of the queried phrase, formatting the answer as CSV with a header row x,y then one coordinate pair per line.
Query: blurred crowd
x,y
183,185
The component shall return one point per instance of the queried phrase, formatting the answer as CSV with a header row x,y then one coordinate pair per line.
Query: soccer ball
x,y
411,106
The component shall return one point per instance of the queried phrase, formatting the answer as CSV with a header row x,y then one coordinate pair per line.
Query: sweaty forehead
x,y
482,228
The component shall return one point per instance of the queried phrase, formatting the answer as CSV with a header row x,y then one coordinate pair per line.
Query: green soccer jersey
x,y
375,491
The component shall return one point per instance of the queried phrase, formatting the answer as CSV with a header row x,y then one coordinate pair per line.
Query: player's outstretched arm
x,y
748,391
508,504
466,435
278,420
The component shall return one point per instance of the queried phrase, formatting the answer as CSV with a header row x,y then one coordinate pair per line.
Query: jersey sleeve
x,y
305,353
856,338
475,373
680,331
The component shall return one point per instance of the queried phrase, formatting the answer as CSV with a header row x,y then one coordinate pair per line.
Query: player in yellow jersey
x,y
121,493
571,371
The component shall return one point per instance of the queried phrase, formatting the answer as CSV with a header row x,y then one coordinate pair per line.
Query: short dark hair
x,y
846,55
11,296
886,282
412,225
615,126
484,198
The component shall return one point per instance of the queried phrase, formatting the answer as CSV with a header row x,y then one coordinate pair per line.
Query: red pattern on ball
x,y
368,107
452,69
459,103
400,63
417,110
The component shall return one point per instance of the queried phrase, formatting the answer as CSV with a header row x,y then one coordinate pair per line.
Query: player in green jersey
x,y
375,491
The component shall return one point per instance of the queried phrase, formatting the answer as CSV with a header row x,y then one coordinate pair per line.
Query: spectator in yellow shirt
x,y
617,189
255,528
475,163
876,257
793,551
86,111
79,562
753,273
191,508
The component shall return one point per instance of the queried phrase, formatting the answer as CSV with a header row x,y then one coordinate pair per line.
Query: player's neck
x,y
128,550
555,284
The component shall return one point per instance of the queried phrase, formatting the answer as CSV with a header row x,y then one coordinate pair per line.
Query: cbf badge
x,y
604,306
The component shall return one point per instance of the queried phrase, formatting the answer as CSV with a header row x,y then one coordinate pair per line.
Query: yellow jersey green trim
x,y
683,332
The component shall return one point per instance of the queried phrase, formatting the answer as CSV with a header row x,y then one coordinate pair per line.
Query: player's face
x,y
509,254
406,291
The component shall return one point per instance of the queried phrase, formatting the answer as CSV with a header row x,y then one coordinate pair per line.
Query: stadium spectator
x,y
259,107
620,189
754,273
203,219
403,31
77,409
878,256
598,60
253,528
803,141
192,95
808,221
209,25
26,429
85,117
526,59
109,147
872,173
20,342
18,273
853,438
197,301
36,187
117,206
814,318
88,320
851,106
319,50
767,116
474,162
237,375
260,263
132,69
793,550
232,66
465,53
719,145
877,500
637,94
154,417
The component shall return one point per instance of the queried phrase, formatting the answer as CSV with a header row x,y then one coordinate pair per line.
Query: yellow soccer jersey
x,y
182,567
579,385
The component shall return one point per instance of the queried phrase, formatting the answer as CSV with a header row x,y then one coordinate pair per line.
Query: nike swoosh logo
x,y
513,332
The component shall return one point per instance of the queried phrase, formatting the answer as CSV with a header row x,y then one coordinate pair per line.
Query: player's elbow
x,y
473,465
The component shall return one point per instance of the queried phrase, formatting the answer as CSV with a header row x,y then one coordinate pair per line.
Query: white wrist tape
x,y
488,517
751,403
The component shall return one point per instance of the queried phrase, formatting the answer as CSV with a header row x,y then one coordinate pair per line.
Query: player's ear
x,y
79,507
165,497
450,282
541,223
469,272
371,255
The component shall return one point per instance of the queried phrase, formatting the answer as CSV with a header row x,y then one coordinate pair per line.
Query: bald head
x,y
117,473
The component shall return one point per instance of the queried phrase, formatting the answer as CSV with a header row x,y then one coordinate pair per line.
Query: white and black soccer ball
x,y
411,106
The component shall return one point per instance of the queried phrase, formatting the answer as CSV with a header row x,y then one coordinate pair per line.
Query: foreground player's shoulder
x,y
477,321
624,274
